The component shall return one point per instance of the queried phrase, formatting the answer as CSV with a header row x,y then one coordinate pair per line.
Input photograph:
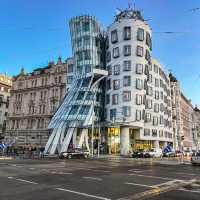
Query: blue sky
x,y
36,31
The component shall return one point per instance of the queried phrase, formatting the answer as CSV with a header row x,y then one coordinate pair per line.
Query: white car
x,y
155,152
195,159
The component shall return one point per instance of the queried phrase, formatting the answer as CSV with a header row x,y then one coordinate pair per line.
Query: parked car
x,y
141,153
169,154
74,153
155,152
195,159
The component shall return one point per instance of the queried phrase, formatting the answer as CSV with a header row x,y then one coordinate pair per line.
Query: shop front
x,y
113,140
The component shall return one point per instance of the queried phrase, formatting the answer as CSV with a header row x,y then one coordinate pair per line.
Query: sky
x,y
33,32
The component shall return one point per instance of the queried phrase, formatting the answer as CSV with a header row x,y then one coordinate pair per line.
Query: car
x,y
74,153
169,154
141,153
155,152
195,159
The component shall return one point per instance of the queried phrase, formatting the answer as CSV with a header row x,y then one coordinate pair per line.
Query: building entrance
x,y
113,140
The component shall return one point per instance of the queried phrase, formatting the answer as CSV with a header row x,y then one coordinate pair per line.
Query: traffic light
x,y
182,137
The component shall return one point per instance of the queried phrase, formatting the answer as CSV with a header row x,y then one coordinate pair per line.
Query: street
x,y
102,179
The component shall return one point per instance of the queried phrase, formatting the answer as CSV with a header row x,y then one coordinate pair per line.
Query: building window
x,y
140,34
139,84
156,107
155,69
114,36
79,56
127,33
126,96
86,26
156,82
115,99
116,84
69,79
108,84
127,111
87,55
127,81
108,56
127,65
154,133
113,114
116,52
149,91
139,68
162,107
147,132
148,40
107,99
138,99
148,117
149,103
116,69
161,119
70,68
79,42
157,95
86,40
155,121
127,50
150,78
147,55
84,110
138,115
139,51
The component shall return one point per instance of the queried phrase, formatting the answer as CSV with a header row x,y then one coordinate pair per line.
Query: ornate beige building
x,y
34,99
5,86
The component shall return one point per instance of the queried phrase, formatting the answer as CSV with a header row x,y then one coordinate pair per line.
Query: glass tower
x,y
82,105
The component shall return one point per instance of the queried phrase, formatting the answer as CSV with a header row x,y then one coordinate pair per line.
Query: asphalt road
x,y
101,179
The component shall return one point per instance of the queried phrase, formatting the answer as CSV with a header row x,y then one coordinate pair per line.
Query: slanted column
x,y
74,139
124,140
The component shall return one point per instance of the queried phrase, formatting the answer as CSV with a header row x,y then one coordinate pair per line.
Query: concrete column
x,y
165,144
74,139
156,144
124,141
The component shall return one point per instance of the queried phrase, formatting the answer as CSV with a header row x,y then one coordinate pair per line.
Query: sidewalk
x,y
165,161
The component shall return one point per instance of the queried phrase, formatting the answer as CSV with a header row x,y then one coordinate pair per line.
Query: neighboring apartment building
x,y
138,102
186,123
5,86
176,111
34,99
196,127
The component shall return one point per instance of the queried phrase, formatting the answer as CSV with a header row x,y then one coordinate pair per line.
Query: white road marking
x,y
26,181
31,168
193,191
66,173
142,185
83,194
156,177
92,178
94,170
185,173
22,180
139,171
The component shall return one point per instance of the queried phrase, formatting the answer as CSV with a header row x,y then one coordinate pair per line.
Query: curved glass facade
x,y
83,104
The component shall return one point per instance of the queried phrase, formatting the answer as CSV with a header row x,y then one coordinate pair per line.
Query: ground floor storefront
x,y
116,140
